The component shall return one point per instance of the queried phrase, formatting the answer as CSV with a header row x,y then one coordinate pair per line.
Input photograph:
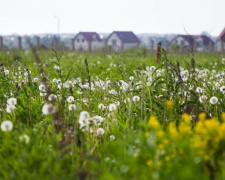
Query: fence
x,y
167,46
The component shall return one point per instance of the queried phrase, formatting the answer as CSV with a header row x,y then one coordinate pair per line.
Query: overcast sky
x,y
141,16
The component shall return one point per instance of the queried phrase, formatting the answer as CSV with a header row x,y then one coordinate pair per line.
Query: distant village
x,y
117,41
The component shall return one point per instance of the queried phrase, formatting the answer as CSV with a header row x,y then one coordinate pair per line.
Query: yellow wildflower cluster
x,y
205,138
153,123
208,135
169,104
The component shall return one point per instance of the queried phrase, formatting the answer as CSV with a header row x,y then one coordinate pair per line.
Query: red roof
x,y
222,35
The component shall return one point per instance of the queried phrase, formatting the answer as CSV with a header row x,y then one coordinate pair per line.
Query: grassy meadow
x,y
112,116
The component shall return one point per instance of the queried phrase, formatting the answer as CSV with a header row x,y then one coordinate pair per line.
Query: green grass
x,y
59,149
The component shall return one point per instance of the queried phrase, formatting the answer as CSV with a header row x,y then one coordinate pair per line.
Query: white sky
x,y
141,16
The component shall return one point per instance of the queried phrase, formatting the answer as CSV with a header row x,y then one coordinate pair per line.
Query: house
x,y
122,40
87,41
197,42
221,41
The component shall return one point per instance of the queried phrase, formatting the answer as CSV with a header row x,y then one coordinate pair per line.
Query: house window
x,y
114,42
82,40
78,40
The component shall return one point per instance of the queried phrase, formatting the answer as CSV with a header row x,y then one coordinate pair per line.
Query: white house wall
x,y
180,39
118,42
96,45
81,45
129,45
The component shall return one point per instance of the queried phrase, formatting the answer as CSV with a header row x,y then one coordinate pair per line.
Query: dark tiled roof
x,y
90,36
206,39
222,35
126,36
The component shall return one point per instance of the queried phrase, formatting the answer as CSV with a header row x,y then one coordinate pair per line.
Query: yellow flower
x,y
147,134
161,147
223,116
160,134
202,116
167,158
212,126
169,104
184,129
153,123
222,131
158,164
149,163
173,130
186,118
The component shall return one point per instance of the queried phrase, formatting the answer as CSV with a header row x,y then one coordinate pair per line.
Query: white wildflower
x,y
100,131
10,108
42,87
12,101
70,99
131,78
136,98
101,106
112,137
48,109
72,107
222,89
6,125
52,97
112,107
6,72
203,98
25,138
213,100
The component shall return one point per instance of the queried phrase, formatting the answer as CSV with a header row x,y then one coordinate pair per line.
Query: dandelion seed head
x,y
100,131
136,98
72,107
112,107
25,138
70,99
213,100
112,137
6,125
12,101
101,106
10,108
48,109
42,87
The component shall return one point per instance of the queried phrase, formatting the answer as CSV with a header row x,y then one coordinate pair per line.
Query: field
x,y
71,115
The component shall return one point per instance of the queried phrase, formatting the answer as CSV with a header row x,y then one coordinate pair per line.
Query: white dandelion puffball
x,y
6,72
136,98
6,125
12,101
100,131
131,78
70,99
42,87
72,107
112,107
101,106
203,98
222,89
25,138
10,108
48,109
213,100
56,67
84,115
52,97
112,137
